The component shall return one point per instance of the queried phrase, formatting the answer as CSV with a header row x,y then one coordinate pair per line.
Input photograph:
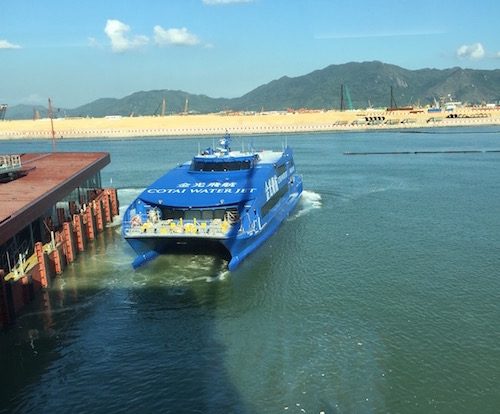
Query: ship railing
x,y
10,162
171,228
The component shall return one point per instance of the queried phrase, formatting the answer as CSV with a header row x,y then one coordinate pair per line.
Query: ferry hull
x,y
242,248
149,248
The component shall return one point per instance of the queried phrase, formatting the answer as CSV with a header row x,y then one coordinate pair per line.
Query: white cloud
x,y
4,44
218,2
118,35
175,37
497,55
473,52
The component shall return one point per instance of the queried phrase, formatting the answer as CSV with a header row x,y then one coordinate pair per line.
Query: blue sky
x,y
76,52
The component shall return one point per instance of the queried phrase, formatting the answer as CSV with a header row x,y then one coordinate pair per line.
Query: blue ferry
x,y
222,201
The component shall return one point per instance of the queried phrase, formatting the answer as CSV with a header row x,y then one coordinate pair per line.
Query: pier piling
x,y
98,215
78,228
114,201
42,265
68,242
51,259
89,222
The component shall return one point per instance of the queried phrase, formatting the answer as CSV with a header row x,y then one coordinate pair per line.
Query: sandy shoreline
x,y
269,123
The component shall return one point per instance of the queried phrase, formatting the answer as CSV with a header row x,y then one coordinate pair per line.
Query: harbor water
x,y
379,294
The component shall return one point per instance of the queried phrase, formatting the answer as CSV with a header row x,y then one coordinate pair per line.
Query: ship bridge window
x,y
221,166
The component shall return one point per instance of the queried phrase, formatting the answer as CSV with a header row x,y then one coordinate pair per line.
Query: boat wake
x,y
309,201
126,196
182,270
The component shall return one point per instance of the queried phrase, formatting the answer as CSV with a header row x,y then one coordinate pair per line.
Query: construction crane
x,y
348,96
393,105
344,90
163,106
3,110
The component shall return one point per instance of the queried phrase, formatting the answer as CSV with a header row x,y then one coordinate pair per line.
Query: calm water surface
x,y
381,293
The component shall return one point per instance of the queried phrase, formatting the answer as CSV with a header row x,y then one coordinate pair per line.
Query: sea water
x,y
380,293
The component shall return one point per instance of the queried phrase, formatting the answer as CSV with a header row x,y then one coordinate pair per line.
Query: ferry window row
x,y
273,200
205,214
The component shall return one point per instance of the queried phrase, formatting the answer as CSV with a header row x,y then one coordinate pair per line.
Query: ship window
x,y
192,214
273,200
232,215
221,166
168,213
198,214
219,214
280,169
207,214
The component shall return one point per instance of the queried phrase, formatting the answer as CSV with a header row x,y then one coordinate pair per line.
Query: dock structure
x,y
51,206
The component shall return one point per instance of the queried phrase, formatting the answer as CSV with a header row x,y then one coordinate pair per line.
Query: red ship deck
x,y
52,177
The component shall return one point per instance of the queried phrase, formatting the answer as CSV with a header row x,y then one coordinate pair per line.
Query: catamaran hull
x,y
240,248
148,248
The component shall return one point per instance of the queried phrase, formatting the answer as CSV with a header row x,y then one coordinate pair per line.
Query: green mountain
x,y
369,84
26,112
365,83
150,103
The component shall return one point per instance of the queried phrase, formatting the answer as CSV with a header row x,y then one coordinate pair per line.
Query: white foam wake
x,y
308,201
125,196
